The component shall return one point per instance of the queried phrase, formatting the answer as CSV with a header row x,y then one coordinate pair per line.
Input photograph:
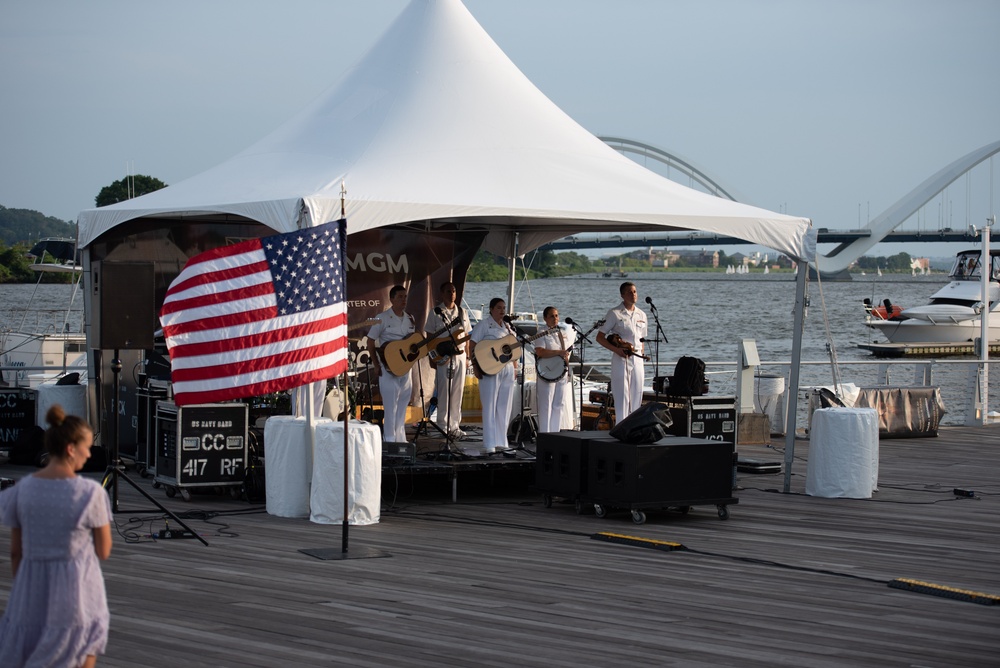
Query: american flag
x,y
259,316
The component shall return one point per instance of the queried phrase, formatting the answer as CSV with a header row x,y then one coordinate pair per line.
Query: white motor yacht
x,y
951,315
43,344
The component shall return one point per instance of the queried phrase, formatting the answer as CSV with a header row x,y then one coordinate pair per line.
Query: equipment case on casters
x,y
204,445
675,472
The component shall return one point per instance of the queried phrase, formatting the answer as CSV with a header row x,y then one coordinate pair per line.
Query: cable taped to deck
x,y
622,539
921,587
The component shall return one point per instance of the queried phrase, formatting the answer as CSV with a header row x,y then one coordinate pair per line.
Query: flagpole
x,y
347,406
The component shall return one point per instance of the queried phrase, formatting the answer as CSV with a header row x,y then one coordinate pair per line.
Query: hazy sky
x,y
831,110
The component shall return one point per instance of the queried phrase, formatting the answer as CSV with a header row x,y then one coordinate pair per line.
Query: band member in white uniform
x,y
450,370
394,324
497,391
627,371
552,394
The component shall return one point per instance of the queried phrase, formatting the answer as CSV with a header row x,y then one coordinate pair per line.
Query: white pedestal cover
x,y
288,466
365,484
843,453
73,399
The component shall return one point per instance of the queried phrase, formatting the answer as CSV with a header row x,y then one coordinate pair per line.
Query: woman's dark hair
x,y
495,301
63,430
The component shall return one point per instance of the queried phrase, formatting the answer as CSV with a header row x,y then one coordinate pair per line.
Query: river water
x,y
706,316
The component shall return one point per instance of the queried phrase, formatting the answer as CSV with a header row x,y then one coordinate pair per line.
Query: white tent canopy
x,y
436,126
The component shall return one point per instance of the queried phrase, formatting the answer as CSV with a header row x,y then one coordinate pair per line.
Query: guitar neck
x,y
431,337
366,323
539,335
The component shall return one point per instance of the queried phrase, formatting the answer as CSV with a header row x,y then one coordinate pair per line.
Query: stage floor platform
x,y
499,580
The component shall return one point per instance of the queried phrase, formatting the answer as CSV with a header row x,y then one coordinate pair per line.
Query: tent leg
x,y
793,380
512,275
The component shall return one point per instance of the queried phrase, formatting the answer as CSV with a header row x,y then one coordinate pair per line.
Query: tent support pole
x,y
793,380
512,275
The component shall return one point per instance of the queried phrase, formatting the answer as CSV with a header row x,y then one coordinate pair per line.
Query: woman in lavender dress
x,y
57,614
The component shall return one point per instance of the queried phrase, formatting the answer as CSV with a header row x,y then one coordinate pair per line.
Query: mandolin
x,y
618,342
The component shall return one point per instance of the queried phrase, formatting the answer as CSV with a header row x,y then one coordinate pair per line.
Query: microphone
x,y
649,300
507,319
437,309
569,321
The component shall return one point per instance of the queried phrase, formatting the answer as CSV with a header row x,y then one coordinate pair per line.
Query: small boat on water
x,y
38,344
951,315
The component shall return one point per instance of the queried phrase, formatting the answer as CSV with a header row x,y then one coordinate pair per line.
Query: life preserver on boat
x,y
887,314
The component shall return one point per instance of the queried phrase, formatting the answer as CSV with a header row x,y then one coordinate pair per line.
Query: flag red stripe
x,y
272,336
224,251
258,389
220,322
210,299
212,277
260,363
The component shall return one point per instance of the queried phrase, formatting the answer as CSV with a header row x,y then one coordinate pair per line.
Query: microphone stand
x,y
656,341
581,336
521,426
447,452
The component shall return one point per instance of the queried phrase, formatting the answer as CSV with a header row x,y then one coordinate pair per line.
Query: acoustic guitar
x,y
400,356
491,355
447,346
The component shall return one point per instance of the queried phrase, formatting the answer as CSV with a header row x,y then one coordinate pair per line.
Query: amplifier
x,y
401,453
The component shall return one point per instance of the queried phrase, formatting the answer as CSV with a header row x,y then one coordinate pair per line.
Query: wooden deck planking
x,y
499,580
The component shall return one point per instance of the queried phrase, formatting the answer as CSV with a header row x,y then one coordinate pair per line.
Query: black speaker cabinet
x,y
125,306
561,462
673,471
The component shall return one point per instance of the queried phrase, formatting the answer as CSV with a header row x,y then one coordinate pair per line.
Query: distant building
x,y
699,258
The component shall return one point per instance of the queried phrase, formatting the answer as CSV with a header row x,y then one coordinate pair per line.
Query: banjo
x,y
552,369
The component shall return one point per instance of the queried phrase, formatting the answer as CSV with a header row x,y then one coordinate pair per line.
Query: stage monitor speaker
x,y
126,307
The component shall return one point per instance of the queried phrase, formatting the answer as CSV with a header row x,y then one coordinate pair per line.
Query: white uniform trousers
x,y
551,398
497,396
627,377
395,397
449,393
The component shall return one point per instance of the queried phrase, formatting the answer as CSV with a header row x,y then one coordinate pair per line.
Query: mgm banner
x,y
419,261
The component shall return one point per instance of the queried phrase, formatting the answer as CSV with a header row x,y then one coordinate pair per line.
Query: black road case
x,y
203,445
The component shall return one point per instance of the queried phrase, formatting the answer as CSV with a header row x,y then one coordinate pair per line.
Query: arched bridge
x,y
852,244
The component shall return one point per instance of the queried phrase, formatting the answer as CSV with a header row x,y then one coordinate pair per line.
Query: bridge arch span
x,y
843,255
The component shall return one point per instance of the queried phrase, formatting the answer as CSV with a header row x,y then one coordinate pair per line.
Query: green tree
x,y
28,226
15,267
140,184
487,267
